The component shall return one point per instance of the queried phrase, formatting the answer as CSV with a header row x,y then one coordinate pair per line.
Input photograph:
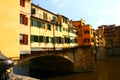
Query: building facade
x,y
64,29
25,12
100,35
9,28
85,33
42,28
72,35
100,48
112,35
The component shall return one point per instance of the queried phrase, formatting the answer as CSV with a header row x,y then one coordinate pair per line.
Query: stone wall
x,y
100,52
84,59
113,51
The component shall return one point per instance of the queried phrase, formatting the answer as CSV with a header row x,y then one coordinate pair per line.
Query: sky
x,y
94,12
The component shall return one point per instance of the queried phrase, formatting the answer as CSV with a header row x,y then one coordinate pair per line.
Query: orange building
x,y
85,33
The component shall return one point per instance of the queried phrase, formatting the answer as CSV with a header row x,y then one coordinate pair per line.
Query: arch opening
x,y
51,63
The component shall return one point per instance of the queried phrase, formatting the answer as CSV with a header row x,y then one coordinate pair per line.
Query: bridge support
x,y
84,59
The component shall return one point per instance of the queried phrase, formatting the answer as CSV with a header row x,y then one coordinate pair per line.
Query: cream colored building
x,y
25,12
101,38
10,28
43,29
72,35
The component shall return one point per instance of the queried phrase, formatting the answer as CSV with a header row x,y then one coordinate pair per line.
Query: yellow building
x,y
25,12
64,26
10,28
43,29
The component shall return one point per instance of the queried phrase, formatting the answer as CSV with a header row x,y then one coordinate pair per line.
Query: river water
x,y
108,69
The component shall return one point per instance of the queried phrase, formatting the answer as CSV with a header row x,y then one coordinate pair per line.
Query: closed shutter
x,y
25,20
40,38
22,3
39,24
60,29
42,25
25,38
32,38
53,40
32,22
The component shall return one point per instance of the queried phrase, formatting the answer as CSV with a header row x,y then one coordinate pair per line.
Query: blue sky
x,y
94,12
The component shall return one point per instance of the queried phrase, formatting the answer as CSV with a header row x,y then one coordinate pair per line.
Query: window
x,y
41,39
34,38
56,28
54,17
48,26
86,32
37,23
53,40
75,40
33,11
79,35
23,39
86,40
79,26
34,23
60,39
65,20
63,29
66,40
92,40
60,29
42,25
22,3
23,19
47,39
57,39
45,16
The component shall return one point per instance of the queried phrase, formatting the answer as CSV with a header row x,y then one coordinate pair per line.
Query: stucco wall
x,y
9,28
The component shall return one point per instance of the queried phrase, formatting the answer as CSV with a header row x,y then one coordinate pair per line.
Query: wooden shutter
x,y
25,20
25,38
53,40
40,38
22,3
32,38
32,22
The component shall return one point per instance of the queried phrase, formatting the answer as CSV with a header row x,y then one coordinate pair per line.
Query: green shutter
x,y
42,25
60,29
53,40
32,22
32,38
39,24
54,17
40,38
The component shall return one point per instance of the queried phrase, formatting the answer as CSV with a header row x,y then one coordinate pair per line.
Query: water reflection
x,y
108,69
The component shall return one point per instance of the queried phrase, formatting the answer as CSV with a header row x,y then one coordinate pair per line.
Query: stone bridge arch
x,y
49,60
36,54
